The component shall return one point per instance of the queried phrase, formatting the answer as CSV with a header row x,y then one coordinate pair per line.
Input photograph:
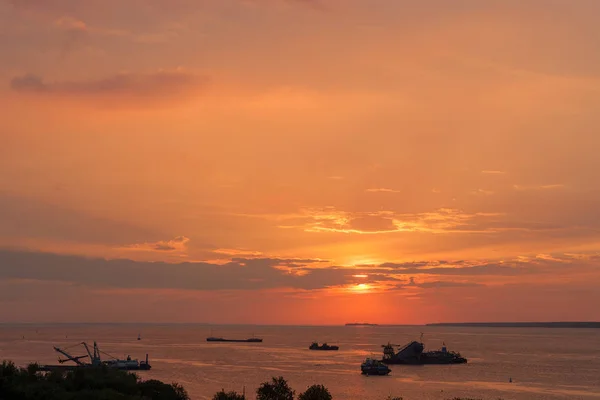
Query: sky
x,y
299,161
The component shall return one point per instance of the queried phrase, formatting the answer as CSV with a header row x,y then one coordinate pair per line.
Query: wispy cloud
x,y
538,187
482,192
238,252
493,172
178,243
159,83
382,190
330,219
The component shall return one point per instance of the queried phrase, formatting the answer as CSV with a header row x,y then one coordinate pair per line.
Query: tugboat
x,y
324,346
374,367
413,353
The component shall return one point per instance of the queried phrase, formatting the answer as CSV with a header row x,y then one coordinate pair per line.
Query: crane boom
x,y
70,357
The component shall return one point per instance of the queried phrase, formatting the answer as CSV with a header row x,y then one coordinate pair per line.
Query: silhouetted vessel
x,y
360,324
374,367
218,339
95,361
413,353
324,346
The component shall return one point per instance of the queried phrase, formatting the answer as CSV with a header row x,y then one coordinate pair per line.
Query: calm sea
x,y
543,363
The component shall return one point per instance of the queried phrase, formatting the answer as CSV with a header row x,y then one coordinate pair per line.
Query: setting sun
x,y
360,288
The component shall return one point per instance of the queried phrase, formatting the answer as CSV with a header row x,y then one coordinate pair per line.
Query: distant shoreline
x,y
519,324
560,324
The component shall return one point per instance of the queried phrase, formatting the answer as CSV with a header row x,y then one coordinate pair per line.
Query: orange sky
x,y
243,160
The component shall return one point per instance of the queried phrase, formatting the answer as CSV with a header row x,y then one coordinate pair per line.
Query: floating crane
x,y
95,360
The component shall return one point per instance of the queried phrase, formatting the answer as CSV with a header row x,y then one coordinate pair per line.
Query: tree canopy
x,y
316,392
277,389
101,383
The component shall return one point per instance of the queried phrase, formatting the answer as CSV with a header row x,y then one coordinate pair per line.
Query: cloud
x,y
330,219
445,284
155,84
71,24
271,273
238,274
493,172
382,190
238,252
538,187
481,192
468,269
75,32
178,243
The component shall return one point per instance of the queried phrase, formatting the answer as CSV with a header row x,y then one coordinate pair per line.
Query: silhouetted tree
x,y
316,392
277,389
222,395
82,384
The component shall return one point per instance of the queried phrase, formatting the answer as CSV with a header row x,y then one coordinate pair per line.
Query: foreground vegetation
x,y
278,389
82,384
109,384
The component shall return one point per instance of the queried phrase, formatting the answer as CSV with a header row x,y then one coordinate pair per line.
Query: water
x,y
543,363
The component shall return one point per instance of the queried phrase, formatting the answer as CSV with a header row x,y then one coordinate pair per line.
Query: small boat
x,y
374,367
139,337
218,339
324,346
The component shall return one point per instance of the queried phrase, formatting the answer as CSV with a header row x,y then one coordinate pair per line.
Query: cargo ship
x,y
219,339
413,354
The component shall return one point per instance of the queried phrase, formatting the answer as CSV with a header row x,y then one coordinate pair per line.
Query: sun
x,y
360,288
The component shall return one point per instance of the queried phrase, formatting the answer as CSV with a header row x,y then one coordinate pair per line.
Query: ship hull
x,y
234,340
65,368
425,359
423,362
375,371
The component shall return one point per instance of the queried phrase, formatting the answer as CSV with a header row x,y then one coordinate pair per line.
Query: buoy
x,y
510,380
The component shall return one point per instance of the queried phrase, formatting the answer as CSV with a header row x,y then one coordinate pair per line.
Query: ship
x,y
413,354
374,367
324,346
219,339
95,360
360,324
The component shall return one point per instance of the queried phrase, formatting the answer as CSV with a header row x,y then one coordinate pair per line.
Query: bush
x,y
277,389
316,392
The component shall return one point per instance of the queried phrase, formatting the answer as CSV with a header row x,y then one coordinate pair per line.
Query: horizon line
x,y
297,324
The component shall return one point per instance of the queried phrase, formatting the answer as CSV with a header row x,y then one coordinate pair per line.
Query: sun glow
x,y
360,288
